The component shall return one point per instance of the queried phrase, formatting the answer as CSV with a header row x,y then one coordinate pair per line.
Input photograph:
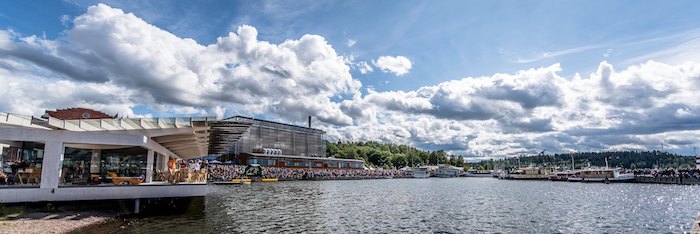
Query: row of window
x,y
272,162
264,162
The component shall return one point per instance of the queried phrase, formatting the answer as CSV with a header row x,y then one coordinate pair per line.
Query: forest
x,y
387,155
624,159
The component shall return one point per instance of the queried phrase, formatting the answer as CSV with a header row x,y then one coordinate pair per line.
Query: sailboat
x,y
601,175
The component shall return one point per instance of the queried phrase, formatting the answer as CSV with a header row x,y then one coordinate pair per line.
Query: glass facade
x,y
264,162
21,163
95,166
290,139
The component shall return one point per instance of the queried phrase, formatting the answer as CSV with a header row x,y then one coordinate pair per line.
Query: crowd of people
x,y
189,171
668,173
225,172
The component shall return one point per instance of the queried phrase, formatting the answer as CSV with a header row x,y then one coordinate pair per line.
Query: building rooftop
x,y
77,113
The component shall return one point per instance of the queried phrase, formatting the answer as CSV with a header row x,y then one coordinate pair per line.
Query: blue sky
x,y
444,39
511,52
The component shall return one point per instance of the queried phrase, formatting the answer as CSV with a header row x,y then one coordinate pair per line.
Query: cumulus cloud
x,y
114,61
398,65
110,47
537,109
364,67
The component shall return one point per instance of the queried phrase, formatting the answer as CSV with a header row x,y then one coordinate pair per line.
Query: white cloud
x,y
537,109
107,46
65,20
113,61
607,53
364,67
398,65
351,42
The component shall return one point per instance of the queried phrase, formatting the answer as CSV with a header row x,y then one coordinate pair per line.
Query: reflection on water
x,y
433,205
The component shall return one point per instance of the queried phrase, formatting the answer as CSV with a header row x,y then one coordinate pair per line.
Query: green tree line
x,y
387,155
624,159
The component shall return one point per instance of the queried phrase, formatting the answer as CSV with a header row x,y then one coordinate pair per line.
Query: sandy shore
x,y
58,222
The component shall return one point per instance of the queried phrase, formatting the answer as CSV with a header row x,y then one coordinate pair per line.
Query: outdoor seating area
x,y
123,180
184,171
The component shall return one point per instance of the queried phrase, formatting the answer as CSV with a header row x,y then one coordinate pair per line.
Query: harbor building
x,y
81,154
277,144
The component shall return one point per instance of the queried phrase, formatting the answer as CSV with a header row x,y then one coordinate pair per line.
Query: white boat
x,y
531,173
601,175
421,172
479,173
503,175
562,175
447,171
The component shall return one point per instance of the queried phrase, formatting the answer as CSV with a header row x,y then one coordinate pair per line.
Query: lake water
x,y
457,205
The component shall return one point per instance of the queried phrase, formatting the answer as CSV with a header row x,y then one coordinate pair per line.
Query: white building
x,y
50,159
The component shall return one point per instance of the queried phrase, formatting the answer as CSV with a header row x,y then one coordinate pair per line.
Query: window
x,y
94,166
20,164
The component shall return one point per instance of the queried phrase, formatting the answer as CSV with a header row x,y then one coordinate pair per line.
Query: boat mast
x,y
573,166
606,162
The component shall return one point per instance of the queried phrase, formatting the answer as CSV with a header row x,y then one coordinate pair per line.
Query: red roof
x,y
78,113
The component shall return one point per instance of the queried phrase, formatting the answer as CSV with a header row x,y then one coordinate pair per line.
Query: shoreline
x,y
52,222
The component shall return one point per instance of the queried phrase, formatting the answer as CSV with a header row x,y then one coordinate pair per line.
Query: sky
x,y
476,78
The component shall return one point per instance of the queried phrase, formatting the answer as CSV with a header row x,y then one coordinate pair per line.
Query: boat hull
x,y
559,178
600,180
426,175
477,175
528,177
233,181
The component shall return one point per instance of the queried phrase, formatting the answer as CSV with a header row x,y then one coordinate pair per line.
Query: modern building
x,y
283,145
52,159
81,154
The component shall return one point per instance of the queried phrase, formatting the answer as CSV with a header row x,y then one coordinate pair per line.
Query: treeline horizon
x,y
388,155
626,159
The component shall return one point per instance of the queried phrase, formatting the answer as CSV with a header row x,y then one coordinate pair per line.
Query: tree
x,y
400,160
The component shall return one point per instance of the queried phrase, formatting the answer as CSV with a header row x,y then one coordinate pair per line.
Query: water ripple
x,y
458,205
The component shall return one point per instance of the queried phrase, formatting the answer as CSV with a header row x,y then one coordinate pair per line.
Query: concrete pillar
x,y
51,165
95,161
149,166
137,206
164,163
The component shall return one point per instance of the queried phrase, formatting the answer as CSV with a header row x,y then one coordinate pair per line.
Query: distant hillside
x,y
625,159
389,155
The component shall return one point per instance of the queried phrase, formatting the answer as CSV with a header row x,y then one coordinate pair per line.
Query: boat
x,y
269,180
562,175
233,181
601,175
479,173
421,172
530,173
503,175
447,171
